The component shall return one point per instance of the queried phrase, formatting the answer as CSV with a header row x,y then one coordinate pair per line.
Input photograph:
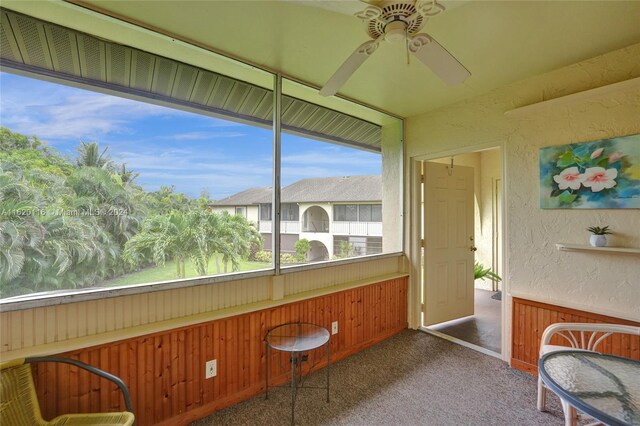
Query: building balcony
x,y
365,229
286,227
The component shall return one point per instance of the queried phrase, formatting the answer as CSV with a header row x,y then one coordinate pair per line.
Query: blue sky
x,y
166,146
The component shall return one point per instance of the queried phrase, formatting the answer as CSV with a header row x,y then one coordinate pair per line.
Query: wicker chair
x,y
580,336
19,402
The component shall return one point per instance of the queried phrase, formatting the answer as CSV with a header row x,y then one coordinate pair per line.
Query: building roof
x,y
246,197
314,190
334,189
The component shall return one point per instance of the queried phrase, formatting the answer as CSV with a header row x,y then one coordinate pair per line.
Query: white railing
x,y
365,229
265,226
289,227
317,226
369,229
286,227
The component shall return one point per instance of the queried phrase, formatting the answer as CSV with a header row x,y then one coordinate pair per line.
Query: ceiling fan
x,y
396,21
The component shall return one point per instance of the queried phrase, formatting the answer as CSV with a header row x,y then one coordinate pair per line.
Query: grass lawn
x,y
168,272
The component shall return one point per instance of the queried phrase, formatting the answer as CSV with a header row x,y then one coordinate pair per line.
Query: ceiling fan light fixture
x,y
395,31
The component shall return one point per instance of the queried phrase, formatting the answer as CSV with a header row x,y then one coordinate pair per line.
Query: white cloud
x,y
190,161
54,111
342,158
190,171
81,116
218,122
218,185
204,135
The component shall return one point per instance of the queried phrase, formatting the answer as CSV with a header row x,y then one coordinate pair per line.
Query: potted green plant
x,y
480,273
598,237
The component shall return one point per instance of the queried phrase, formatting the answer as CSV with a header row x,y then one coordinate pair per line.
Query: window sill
x,y
18,303
161,326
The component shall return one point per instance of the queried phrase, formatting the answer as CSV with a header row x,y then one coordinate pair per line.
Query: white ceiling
x,y
498,41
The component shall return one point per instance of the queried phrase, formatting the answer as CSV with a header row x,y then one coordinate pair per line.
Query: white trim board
x,y
461,342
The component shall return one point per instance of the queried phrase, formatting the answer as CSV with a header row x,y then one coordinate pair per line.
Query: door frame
x,y
415,227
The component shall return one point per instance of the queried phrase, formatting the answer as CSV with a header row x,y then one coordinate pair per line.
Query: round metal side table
x,y
296,338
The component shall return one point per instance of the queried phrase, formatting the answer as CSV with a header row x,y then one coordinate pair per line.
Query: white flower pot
x,y
598,240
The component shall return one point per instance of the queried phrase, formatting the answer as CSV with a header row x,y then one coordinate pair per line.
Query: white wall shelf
x,y
610,250
586,95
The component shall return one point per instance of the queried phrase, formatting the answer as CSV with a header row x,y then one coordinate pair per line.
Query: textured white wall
x,y
603,283
253,214
392,203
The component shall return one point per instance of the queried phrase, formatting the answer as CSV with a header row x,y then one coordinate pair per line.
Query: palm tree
x,y
198,235
80,248
127,176
237,235
20,233
161,238
97,192
89,155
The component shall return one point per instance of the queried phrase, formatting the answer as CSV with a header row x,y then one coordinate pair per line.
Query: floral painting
x,y
602,174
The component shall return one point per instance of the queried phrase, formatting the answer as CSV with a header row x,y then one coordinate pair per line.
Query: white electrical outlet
x,y
334,327
211,369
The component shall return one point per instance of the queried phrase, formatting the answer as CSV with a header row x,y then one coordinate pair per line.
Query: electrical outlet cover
x,y
334,327
211,369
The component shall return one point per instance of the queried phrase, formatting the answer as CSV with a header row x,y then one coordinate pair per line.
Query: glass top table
x,y
606,387
296,338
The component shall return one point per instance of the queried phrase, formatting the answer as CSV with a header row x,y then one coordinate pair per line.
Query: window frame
x,y
269,208
358,212
290,208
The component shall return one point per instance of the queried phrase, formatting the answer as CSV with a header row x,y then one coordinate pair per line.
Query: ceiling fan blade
x,y
436,57
352,63
426,9
369,12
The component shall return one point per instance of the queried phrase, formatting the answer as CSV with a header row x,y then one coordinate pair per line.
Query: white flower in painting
x,y
569,178
615,157
597,153
597,178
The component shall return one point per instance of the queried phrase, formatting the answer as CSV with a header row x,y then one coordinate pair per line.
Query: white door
x,y
448,242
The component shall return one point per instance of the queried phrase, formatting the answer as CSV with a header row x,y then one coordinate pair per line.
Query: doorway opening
x,y
462,253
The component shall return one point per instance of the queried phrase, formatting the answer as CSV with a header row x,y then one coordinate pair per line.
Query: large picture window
x,y
102,191
159,172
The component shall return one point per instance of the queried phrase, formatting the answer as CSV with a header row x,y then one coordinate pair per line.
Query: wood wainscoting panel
x,y
26,332
165,372
530,319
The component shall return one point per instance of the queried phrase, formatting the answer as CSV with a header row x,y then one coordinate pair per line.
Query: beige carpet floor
x,y
411,379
